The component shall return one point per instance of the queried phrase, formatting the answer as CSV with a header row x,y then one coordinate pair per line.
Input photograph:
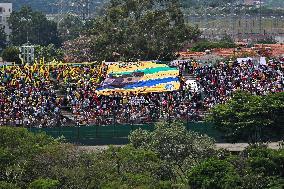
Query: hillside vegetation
x,y
48,6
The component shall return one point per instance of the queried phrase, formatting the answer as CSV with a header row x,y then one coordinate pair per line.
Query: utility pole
x,y
206,18
260,17
232,20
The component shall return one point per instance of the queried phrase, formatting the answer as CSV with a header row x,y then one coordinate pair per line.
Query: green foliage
x,y
177,147
131,168
36,161
44,184
204,3
265,161
249,117
227,39
11,54
249,170
5,185
70,27
266,10
214,174
268,40
125,167
49,53
138,181
173,142
33,26
17,148
200,46
3,38
135,29
262,167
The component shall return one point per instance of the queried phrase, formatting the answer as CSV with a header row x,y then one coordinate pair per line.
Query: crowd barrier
x,y
116,134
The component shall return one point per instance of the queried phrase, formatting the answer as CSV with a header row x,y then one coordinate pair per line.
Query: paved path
x,y
237,147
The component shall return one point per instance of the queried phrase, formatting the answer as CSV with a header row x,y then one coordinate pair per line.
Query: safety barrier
x,y
116,134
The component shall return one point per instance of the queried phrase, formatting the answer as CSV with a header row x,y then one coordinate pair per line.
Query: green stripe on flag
x,y
147,70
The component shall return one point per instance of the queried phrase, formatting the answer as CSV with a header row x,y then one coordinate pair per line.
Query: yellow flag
x,y
42,70
59,64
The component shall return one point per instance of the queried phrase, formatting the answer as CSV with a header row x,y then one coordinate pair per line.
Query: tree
x,y
78,50
214,174
255,167
49,53
3,38
6,185
202,45
29,160
174,144
133,168
267,40
265,161
17,148
227,39
135,29
250,118
260,167
44,184
70,27
32,26
11,54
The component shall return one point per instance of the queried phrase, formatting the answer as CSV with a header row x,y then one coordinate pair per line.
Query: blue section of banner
x,y
148,83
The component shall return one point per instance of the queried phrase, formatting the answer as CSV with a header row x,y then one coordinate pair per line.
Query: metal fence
x,y
116,134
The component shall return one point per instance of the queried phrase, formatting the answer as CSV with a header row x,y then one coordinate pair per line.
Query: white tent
x,y
240,60
262,61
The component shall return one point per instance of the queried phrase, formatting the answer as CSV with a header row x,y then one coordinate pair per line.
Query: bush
x,y
44,184
250,118
11,54
204,45
214,174
268,40
5,185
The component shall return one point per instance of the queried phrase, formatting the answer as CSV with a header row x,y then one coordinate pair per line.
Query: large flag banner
x,y
140,77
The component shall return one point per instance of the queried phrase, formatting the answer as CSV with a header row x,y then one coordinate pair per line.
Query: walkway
x,y
237,147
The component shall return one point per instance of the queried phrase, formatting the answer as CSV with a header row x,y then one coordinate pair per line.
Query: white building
x,y
27,53
5,12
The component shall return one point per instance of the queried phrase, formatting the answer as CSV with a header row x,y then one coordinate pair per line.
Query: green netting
x,y
116,134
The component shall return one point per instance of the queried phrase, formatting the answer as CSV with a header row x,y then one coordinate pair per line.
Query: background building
x,y
5,12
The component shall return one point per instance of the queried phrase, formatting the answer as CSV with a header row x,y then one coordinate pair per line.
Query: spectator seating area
x,y
60,95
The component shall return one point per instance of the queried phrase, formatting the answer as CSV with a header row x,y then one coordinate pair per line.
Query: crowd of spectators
x,y
220,81
27,98
38,96
136,108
